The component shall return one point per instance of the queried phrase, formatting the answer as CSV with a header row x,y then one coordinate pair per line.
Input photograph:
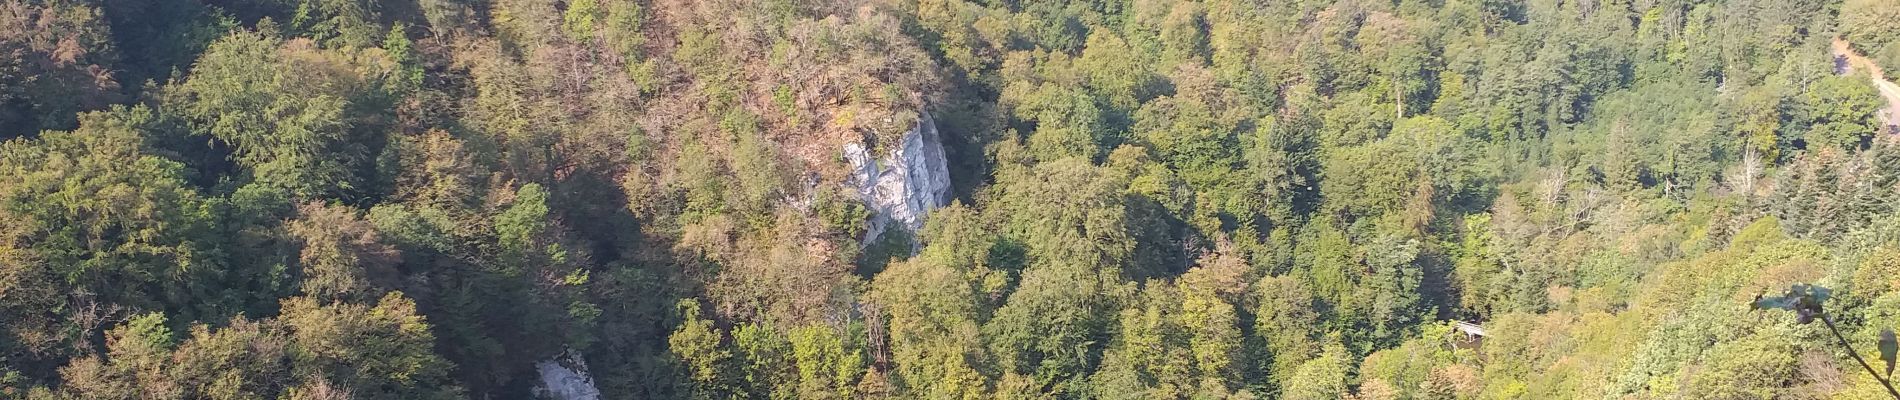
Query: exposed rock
x,y
904,185
565,377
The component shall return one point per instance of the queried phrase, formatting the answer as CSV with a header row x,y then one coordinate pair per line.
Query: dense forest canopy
x,y
944,199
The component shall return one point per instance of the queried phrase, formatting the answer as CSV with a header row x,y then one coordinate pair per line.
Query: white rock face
x,y
905,185
559,382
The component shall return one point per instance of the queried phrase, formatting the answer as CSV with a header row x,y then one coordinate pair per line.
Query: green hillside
x,y
944,199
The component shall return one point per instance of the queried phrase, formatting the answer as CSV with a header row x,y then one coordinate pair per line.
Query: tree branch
x,y
1856,355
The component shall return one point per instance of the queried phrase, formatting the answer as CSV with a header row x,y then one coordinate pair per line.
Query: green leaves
x,y
381,349
88,211
1842,110
1806,301
579,19
301,118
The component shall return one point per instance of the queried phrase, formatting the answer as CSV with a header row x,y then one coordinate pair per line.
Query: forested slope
x,y
1151,199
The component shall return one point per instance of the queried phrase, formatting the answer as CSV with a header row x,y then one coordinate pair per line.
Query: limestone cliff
x,y
906,183
565,377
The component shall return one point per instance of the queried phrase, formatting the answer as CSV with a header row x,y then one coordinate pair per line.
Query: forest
x,y
948,199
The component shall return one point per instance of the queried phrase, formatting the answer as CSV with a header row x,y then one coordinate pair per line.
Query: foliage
x,y
301,118
1220,199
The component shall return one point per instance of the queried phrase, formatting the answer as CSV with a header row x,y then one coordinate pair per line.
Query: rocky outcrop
x,y
904,185
565,378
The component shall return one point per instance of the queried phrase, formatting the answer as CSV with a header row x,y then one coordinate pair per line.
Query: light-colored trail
x,y
1888,90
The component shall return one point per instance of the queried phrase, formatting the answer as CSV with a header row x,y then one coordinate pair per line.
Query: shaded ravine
x,y
1847,60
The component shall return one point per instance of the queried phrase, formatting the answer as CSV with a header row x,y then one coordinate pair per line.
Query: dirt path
x,y
1854,61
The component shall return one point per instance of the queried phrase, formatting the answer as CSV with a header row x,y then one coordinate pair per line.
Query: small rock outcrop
x,y
904,185
565,378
